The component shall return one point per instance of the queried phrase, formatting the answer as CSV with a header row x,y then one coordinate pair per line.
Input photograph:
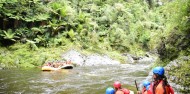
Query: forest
x,y
35,31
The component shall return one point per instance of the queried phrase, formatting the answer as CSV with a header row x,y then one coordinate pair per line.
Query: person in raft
x,y
146,85
119,89
110,90
160,84
57,64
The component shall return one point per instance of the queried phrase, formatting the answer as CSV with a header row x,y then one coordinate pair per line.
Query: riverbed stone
x,y
90,60
76,57
99,60
129,59
139,59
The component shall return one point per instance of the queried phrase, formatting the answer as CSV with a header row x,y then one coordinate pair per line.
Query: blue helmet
x,y
147,87
146,83
159,71
110,90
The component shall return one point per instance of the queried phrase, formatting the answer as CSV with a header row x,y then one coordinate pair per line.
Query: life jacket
x,y
150,90
159,89
169,90
143,90
119,92
123,91
146,92
126,91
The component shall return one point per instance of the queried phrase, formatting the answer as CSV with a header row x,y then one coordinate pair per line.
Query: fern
x,y
9,34
32,44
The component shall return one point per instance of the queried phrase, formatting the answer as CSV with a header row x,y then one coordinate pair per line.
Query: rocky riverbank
x,y
97,59
84,60
178,74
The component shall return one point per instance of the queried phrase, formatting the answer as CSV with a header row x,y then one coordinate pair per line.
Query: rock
x,y
145,60
91,60
76,57
185,58
139,59
99,60
173,80
129,59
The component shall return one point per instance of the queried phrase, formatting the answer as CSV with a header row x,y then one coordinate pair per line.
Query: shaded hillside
x,y
126,26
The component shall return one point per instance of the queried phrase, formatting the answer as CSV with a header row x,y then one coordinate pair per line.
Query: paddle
x,y
136,85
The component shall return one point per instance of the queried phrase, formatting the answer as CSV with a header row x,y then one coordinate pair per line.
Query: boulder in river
x,y
91,60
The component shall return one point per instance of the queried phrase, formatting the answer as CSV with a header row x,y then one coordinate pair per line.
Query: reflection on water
x,y
80,80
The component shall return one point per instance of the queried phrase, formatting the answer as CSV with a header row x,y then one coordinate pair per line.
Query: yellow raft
x,y
49,68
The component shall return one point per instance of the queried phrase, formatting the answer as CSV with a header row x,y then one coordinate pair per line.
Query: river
x,y
79,80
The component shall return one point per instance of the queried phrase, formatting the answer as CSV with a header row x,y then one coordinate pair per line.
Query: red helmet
x,y
117,84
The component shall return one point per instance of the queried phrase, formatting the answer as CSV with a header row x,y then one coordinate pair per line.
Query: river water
x,y
79,80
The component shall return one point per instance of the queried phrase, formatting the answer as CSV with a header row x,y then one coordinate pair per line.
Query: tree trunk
x,y
16,23
150,3
4,23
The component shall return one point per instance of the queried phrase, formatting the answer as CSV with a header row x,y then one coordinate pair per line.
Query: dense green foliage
x,y
131,26
34,31
125,26
91,25
176,39
20,55
176,44
110,25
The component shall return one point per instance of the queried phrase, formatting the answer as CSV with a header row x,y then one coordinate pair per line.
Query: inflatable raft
x,y
67,66
49,68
